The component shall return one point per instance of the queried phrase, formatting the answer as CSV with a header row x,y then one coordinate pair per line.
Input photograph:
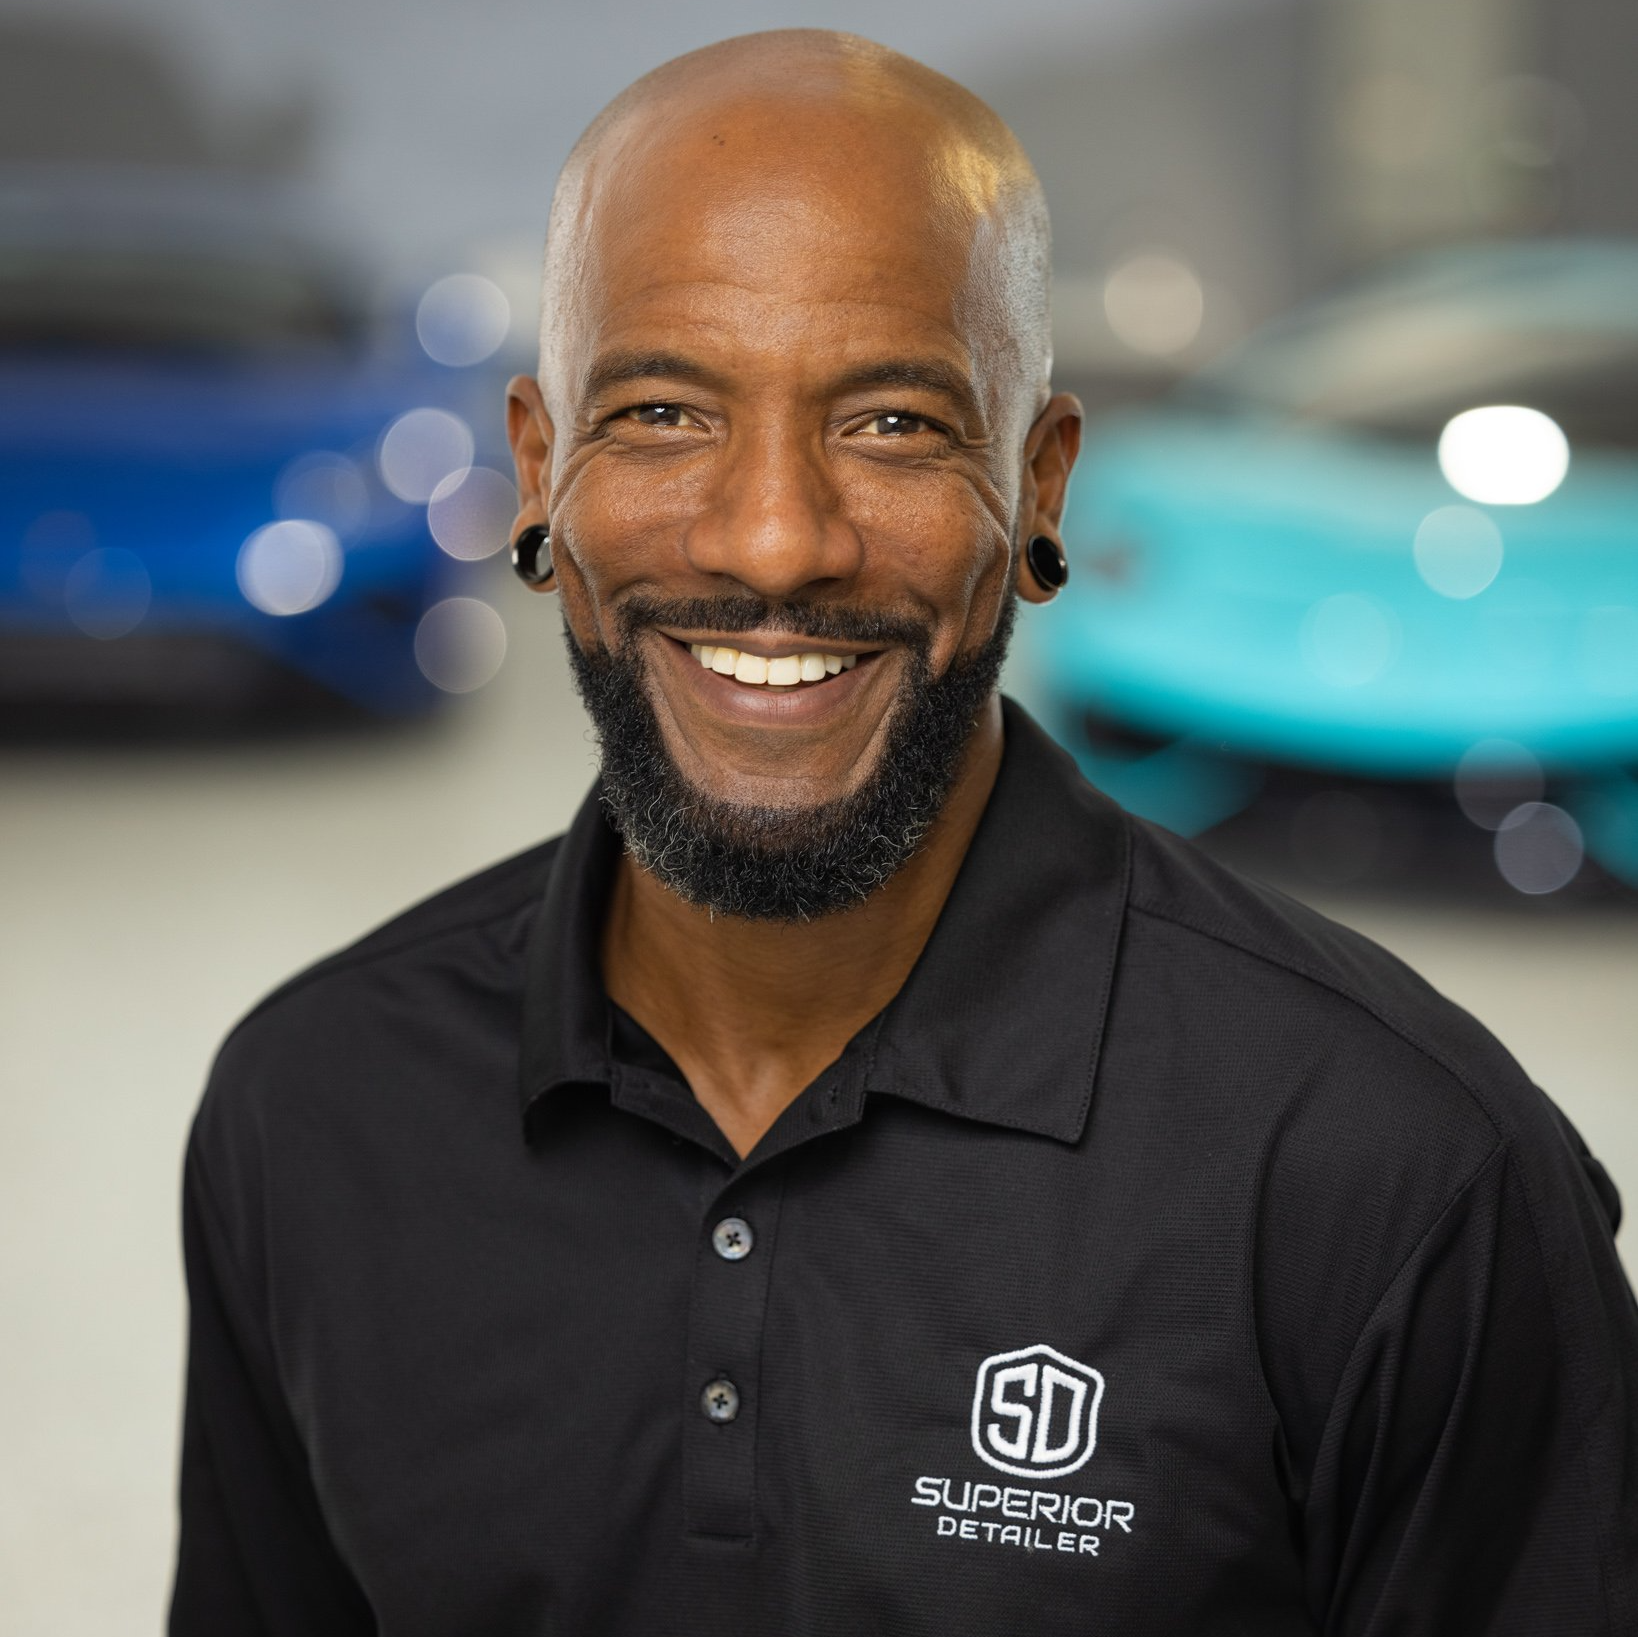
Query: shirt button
x,y
720,1400
732,1239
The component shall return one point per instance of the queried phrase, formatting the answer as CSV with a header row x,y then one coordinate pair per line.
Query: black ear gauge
x,y
1047,562
532,555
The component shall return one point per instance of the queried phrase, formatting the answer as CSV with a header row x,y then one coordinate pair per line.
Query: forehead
x,y
789,226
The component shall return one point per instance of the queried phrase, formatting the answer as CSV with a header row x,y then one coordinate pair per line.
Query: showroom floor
x,y
152,894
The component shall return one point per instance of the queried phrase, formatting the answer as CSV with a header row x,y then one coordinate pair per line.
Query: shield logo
x,y
1035,1412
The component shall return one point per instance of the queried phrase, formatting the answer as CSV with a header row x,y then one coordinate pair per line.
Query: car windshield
x,y
142,299
1406,373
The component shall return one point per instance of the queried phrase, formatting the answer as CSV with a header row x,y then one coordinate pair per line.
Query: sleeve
x,y
254,1558
1477,1471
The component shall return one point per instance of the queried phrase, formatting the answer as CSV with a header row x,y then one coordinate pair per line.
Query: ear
x,y
1049,455
529,431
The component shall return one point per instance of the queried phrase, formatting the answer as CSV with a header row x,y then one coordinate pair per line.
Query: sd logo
x,y
1035,1412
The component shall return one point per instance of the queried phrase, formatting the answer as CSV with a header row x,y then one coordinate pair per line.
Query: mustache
x,y
821,621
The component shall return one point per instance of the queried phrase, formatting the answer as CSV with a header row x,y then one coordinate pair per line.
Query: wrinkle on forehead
x,y
809,121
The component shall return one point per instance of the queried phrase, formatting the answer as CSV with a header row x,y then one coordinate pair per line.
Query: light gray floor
x,y
150,896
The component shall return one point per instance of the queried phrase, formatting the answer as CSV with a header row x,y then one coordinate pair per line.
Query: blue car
x,y
218,462
1393,538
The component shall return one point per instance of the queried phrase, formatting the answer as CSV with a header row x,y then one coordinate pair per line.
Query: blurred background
x,y
1350,288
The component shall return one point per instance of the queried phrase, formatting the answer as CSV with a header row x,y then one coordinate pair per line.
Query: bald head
x,y
827,144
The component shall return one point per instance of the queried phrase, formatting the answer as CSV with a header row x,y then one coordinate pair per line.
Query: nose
x,y
775,522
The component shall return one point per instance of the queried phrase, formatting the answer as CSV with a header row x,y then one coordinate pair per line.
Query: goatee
x,y
782,863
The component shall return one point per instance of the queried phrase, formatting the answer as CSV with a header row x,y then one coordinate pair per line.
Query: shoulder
x,y
333,1037
1367,1104
460,917
1285,980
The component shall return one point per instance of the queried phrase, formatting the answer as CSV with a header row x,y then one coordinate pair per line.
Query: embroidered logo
x,y
1035,1412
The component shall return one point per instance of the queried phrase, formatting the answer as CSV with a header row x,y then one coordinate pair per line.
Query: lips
x,y
747,693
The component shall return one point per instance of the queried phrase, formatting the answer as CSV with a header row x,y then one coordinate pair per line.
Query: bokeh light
x,y
1458,551
470,513
1493,778
463,319
289,567
327,488
422,448
1155,303
108,592
460,644
1504,455
1349,639
1539,848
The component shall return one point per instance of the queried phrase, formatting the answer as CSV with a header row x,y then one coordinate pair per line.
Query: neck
x,y
753,1011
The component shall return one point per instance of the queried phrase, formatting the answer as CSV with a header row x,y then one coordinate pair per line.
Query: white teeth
x,y
784,672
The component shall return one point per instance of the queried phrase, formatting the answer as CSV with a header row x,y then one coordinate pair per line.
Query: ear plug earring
x,y
1047,562
532,555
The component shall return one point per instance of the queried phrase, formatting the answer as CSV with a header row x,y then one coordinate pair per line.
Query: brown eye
x,y
659,415
896,423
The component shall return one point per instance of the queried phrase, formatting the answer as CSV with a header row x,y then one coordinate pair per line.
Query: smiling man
x,y
858,1179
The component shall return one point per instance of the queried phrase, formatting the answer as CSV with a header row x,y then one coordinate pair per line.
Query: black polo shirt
x,y
1163,1259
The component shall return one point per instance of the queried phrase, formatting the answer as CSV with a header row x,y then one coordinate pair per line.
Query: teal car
x,y
1393,538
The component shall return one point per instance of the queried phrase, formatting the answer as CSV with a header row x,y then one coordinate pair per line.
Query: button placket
x,y
728,1305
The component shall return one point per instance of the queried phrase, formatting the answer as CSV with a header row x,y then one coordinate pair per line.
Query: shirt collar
x,y
1001,1018
565,1009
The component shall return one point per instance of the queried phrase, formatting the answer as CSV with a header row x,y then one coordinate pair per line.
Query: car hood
x,y
179,462
195,411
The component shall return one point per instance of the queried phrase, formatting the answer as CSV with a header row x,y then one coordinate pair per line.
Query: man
x,y
859,1180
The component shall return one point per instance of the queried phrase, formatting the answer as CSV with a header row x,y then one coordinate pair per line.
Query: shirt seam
x,y
1503,1145
1502,1154
1387,1020
1468,1183
351,960
229,1269
1457,1194
1584,1421
223,1237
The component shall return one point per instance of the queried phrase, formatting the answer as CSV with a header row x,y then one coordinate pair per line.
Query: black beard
x,y
781,863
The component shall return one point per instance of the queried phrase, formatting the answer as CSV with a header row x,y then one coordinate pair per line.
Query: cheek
x,y
617,526
631,503
936,541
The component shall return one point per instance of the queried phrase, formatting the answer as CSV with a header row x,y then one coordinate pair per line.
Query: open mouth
x,y
783,671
